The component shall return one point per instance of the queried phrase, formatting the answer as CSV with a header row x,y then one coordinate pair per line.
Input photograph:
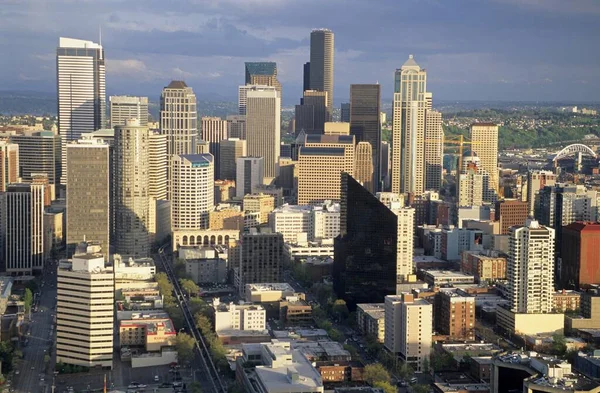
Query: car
x,y
177,384
33,367
413,380
165,385
17,372
156,379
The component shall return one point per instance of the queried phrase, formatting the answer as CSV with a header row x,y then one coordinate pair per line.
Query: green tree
x,y
185,348
559,345
180,270
27,300
374,373
164,285
195,387
340,309
440,362
176,315
420,388
352,350
199,305
426,366
189,286
46,358
205,326
386,386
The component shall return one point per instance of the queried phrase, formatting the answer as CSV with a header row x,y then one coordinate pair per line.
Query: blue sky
x,y
472,49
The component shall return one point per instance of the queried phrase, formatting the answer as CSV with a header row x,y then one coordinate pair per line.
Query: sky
x,y
506,50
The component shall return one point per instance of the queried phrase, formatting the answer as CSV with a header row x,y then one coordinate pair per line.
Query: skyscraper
x,y
408,130
230,150
22,228
345,112
536,181
236,126
484,142
365,123
249,172
193,190
385,165
434,150
262,73
306,76
470,182
123,108
363,167
263,121
81,87
131,186
88,193
580,266
261,258
157,165
530,268
321,64
179,118
39,152
311,114
9,164
213,131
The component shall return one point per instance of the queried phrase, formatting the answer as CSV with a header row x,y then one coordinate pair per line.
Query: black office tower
x,y
364,267
365,125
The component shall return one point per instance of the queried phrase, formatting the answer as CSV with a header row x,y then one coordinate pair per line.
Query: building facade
x,y
123,108
580,266
9,164
321,64
262,73
250,172
229,151
365,125
213,131
179,118
484,142
39,152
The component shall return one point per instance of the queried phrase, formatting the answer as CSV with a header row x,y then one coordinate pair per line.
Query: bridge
x,y
577,149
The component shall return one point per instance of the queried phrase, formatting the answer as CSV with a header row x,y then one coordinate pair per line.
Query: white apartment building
x,y
306,221
239,317
408,328
192,180
85,312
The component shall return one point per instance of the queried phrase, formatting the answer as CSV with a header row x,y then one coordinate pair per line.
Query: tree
x,y
375,373
185,348
46,358
199,305
189,286
340,309
352,350
559,345
176,315
204,325
164,285
195,387
440,362
27,300
386,386
420,388
180,270
426,366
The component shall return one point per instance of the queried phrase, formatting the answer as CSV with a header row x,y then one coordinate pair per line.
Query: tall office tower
x,y
365,106
536,181
510,212
261,258
179,118
345,112
42,179
22,229
213,131
9,164
385,165
131,186
230,150
193,190
236,126
375,248
81,86
306,76
311,114
320,163
243,97
484,142
249,173
157,165
85,312
123,108
321,65
88,193
408,328
408,129
530,268
363,167
263,121
469,188
262,73
434,150
39,152
580,266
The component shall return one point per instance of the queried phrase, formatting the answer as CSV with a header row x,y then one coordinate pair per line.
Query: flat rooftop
x,y
263,287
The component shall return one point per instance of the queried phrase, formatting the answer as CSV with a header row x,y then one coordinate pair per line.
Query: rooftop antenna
x,y
100,35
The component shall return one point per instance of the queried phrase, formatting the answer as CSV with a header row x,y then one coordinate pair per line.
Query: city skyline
x,y
207,46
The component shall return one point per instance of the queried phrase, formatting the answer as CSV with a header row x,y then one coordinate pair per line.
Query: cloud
x,y
558,6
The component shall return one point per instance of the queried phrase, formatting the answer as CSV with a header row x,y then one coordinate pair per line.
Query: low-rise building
x,y
5,292
371,319
296,251
322,350
295,311
566,301
455,314
268,292
205,264
138,298
486,266
130,271
227,217
439,278
340,372
150,333
259,203
239,317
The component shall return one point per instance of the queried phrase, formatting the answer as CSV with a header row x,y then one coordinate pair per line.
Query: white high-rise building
x,y
249,172
408,328
81,89
537,180
484,143
530,268
243,96
123,108
470,182
408,130
157,165
192,177
263,121
179,118
434,149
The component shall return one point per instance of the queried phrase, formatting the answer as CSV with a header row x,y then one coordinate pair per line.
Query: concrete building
x,y
85,312
130,187
53,230
345,112
123,108
337,128
268,292
470,182
239,317
263,112
9,164
408,130
22,229
408,328
321,64
205,237
38,152
484,143
454,241
438,278
312,222
486,267
434,150
226,217
510,212
230,150
363,166
179,118
262,73
365,125
250,172
157,165
536,181
205,264
130,272
213,131
455,314
236,126
88,193
224,191
192,177
259,203
371,320
312,114
261,258
580,266
151,334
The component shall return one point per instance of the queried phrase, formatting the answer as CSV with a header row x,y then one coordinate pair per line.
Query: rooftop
x,y
341,139
153,326
322,151
261,68
279,286
177,85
